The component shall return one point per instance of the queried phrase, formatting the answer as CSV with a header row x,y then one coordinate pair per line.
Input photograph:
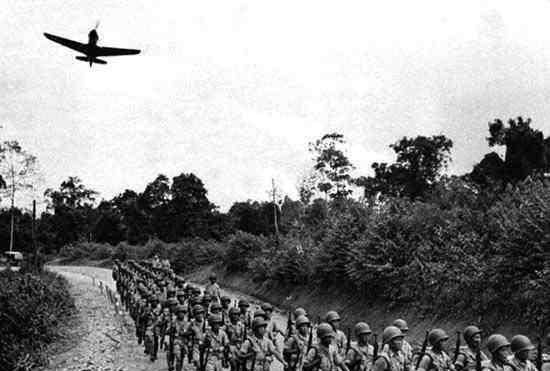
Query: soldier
x,y
216,344
296,347
324,355
216,308
153,330
164,324
226,301
180,295
245,315
436,359
176,343
392,357
466,359
499,347
213,289
235,332
522,348
272,328
257,350
360,354
406,348
197,329
206,300
333,318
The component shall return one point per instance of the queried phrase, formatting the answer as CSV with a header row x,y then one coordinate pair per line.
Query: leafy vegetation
x,y
31,309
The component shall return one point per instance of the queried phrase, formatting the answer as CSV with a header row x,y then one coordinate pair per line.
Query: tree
x,y
332,165
19,170
190,209
419,164
526,149
74,215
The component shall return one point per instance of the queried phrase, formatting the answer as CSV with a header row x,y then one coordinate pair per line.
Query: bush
x,y
242,248
32,308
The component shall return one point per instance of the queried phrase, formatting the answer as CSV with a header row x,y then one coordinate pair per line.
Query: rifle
x,y
205,360
204,326
457,348
375,349
225,360
423,350
310,339
348,344
539,355
478,358
190,354
289,324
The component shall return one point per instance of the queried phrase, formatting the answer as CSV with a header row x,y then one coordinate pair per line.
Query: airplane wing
x,y
109,52
75,45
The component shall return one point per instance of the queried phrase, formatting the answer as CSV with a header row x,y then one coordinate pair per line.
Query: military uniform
x,y
395,360
213,290
262,350
491,365
440,361
217,343
340,340
520,365
295,351
406,349
466,358
327,357
359,357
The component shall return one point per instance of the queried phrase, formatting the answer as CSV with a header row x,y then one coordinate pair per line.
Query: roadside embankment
x,y
351,307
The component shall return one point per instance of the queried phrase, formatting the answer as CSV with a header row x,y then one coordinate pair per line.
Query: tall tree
x,y
526,149
74,215
190,208
419,164
332,165
19,171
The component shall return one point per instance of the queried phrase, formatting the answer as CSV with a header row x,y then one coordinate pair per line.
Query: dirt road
x,y
106,339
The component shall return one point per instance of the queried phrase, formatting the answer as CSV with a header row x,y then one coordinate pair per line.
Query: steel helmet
x,y
234,311
401,324
302,320
390,333
213,277
332,316
324,330
225,299
520,343
470,332
267,307
215,318
198,309
172,301
258,322
437,335
496,341
243,303
171,289
206,298
180,308
215,305
260,313
299,312
180,294
361,328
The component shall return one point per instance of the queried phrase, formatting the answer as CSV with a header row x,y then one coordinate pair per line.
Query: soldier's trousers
x,y
213,363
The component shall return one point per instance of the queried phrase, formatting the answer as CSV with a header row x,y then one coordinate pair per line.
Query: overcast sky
x,y
233,91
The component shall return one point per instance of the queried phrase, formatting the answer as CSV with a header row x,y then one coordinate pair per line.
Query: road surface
x,y
105,339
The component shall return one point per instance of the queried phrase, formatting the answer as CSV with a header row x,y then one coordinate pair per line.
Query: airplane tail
x,y
91,60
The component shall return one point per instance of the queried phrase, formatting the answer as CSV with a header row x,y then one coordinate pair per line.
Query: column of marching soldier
x,y
209,332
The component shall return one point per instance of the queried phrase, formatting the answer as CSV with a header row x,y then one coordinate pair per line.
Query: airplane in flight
x,y
91,49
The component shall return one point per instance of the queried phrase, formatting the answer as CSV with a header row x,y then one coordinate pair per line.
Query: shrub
x,y
242,248
32,308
